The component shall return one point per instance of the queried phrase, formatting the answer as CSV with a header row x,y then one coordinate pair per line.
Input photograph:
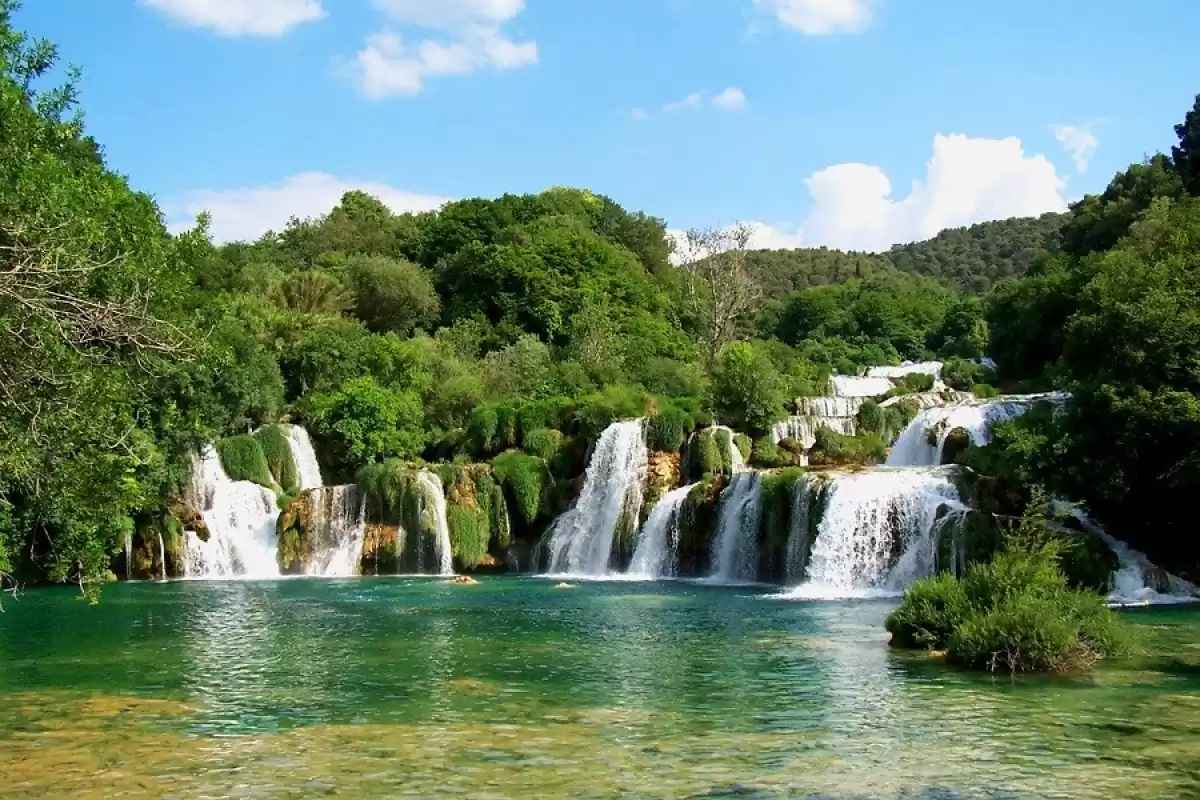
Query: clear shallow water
x,y
513,688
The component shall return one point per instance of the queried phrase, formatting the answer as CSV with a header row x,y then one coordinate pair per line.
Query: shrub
x,y
278,452
384,486
768,455
985,390
958,373
930,611
525,478
668,429
469,534
707,454
543,443
743,444
481,429
834,449
918,381
243,460
870,419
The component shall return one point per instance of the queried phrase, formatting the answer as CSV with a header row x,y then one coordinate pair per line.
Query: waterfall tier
x,y
656,553
923,442
433,517
304,457
735,547
240,517
860,387
878,531
581,540
337,527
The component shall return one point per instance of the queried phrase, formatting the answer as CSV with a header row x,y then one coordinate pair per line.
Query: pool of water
x,y
515,688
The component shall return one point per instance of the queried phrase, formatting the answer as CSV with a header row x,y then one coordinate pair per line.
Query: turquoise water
x,y
515,688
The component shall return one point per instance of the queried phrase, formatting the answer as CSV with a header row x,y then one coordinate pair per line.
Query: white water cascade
x,y
913,448
878,533
304,457
338,525
798,531
735,548
129,555
838,414
1129,587
433,509
855,386
655,554
240,517
581,540
162,558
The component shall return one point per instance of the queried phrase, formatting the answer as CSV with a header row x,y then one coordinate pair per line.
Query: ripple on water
x,y
387,688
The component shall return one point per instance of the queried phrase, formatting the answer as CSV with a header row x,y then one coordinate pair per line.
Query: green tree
x,y
391,295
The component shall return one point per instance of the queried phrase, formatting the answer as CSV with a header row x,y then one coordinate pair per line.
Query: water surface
x,y
513,688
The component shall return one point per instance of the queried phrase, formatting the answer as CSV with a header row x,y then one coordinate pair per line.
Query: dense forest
x,y
511,330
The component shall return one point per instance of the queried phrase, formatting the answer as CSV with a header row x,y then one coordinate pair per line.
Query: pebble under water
x,y
515,688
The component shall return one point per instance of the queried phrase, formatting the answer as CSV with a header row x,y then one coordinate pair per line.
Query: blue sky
x,y
812,118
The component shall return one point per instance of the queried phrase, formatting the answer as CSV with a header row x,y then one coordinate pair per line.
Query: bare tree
x,y
720,289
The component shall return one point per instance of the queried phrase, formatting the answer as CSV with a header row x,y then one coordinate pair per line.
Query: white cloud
x,y
241,17
968,180
246,213
389,66
1079,143
732,99
639,115
693,100
820,17
450,14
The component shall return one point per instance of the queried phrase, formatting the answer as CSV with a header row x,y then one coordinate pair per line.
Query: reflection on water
x,y
511,688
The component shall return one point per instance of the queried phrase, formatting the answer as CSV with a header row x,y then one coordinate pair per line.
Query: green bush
x,y
985,390
744,446
243,460
918,381
958,373
1015,613
385,486
870,419
834,449
931,610
469,534
543,443
525,477
668,429
707,454
768,455
481,429
278,452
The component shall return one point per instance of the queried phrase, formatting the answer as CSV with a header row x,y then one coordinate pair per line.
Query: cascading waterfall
x,y
798,530
240,517
878,533
581,540
855,386
736,462
656,547
129,555
162,558
838,414
338,525
433,513
735,548
913,447
931,368
304,457
1129,585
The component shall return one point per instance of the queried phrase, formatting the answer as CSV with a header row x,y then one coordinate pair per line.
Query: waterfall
x,y
913,447
304,457
797,541
735,548
879,530
656,546
1129,587
240,517
580,541
852,386
337,526
433,513
162,558
129,555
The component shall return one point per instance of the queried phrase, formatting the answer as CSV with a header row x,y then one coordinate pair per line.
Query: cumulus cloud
x,y
246,213
241,17
471,39
967,180
1079,143
820,17
732,99
693,100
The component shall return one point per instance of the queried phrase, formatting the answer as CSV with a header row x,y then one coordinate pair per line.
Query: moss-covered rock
x,y
957,442
243,459
273,439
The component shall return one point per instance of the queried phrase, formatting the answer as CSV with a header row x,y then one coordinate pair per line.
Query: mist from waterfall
x,y
878,532
581,540
657,545
240,517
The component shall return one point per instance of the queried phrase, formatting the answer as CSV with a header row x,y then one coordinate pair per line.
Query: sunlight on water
x,y
513,688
